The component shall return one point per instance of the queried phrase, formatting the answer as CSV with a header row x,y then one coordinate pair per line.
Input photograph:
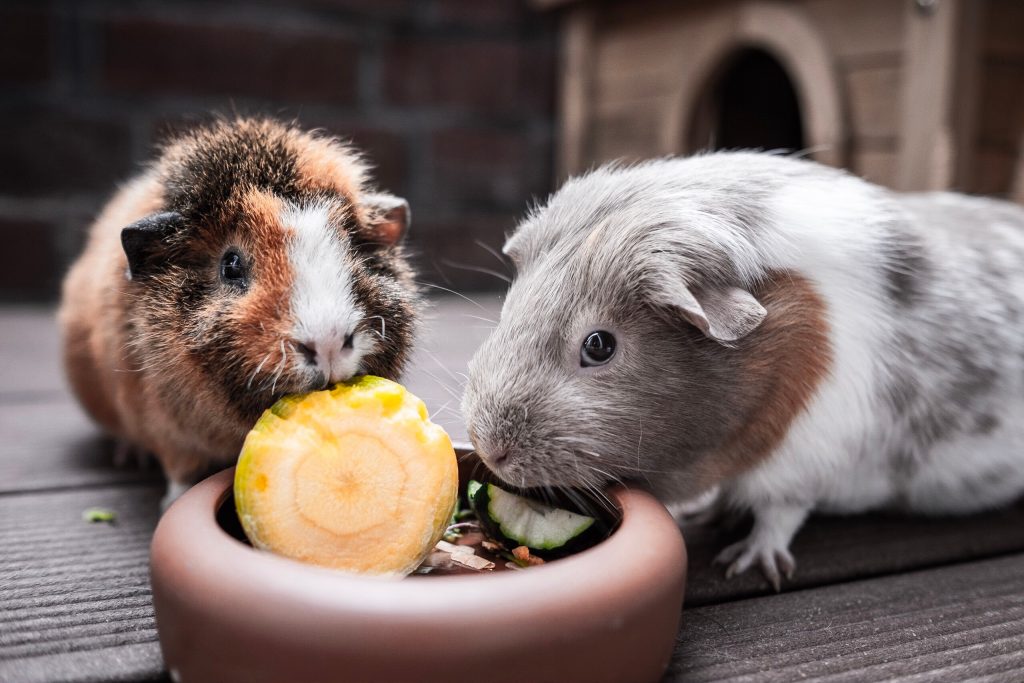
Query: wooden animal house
x,y
913,94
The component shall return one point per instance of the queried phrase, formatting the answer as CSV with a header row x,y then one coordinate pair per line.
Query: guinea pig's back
x,y
91,312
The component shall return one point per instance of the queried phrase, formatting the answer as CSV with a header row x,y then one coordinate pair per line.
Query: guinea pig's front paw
x,y
740,556
768,544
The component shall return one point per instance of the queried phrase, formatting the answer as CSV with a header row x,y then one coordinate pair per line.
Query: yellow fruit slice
x,y
356,478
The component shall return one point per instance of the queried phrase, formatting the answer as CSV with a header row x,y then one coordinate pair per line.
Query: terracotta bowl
x,y
228,612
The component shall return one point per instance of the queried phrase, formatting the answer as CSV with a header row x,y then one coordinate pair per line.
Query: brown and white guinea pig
x,y
250,260
782,331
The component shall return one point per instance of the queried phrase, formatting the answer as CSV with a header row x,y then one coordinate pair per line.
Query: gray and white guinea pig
x,y
779,330
250,260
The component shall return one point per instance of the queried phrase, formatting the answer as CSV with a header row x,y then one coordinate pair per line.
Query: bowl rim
x,y
646,545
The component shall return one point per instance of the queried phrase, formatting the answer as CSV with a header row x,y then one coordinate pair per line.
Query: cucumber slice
x,y
514,520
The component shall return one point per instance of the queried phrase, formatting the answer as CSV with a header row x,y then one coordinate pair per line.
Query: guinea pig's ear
x,y
389,218
724,314
142,240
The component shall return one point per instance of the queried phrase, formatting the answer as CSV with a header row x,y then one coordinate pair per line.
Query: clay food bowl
x,y
228,612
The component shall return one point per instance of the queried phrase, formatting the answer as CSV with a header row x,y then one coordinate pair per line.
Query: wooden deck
x,y
874,598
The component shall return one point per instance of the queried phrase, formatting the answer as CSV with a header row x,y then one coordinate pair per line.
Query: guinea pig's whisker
x,y
278,369
639,443
257,370
383,328
492,251
481,318
441,383
478,269
576,464
444,367
445,406
452,291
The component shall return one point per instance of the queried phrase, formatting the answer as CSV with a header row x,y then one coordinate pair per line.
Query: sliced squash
x,y
356,478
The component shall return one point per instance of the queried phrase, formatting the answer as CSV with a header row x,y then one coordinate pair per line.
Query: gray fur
x,y
612,250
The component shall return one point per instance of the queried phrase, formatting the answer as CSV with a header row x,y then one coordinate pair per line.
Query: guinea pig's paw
x,y
771,557
127,454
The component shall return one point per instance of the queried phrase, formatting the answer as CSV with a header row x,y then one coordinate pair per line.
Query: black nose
x,y
307,350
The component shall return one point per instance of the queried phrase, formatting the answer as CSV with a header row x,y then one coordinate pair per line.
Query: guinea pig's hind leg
x,y
767,543
127,453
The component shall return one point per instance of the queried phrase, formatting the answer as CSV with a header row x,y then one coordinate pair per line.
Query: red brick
x,y
24,46
30,264
151,56
44,151
386,150
484,13
448,252
488,76
498,167
358,9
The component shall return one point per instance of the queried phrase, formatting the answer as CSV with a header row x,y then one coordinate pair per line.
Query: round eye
x,y
232,268
598,348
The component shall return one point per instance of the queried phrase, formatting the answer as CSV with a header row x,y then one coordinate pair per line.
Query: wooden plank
x,y
50,443
862,29
1017,194
30,364
128,663
832,550
75,596
937,104
630,132
1001,105
874,101
945,624
994,170
575,83
875,165
1003,32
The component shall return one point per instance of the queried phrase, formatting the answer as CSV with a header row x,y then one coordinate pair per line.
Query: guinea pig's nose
x,y
494,458
331,354
308,351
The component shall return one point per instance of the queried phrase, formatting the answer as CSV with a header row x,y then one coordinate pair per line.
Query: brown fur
x,y
784,362
176,362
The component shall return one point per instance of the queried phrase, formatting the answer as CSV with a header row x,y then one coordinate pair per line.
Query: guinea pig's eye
x,y
232,268
598,348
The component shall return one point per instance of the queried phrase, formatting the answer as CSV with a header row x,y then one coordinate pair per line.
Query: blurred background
x,y
473,108
452,100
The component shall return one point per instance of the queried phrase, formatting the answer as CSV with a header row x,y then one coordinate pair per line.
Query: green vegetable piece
x,y
512,520
96,515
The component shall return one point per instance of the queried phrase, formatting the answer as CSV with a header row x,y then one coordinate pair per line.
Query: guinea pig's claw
x,y
740,556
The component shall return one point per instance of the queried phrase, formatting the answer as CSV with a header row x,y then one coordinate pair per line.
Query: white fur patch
x,y
323,304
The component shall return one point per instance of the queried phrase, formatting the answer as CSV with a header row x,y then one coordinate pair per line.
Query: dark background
x,y
451,99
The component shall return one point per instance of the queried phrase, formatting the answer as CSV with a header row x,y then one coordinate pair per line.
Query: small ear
x,y
389,218
142,240
724,314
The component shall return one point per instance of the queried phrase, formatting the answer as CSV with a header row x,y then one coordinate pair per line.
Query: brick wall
x,y
452,99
